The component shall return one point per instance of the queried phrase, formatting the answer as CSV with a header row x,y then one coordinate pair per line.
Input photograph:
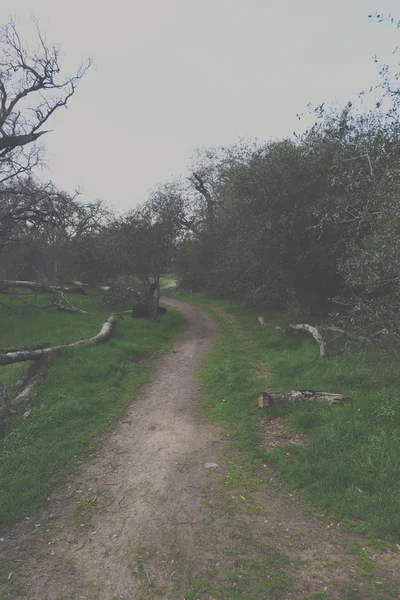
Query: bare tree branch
x,y
31,90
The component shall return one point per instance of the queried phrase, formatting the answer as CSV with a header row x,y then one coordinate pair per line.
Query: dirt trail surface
x,y
163,512
135,488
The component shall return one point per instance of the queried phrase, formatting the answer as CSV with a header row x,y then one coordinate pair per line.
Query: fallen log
x,y
40,287
273,398
24,355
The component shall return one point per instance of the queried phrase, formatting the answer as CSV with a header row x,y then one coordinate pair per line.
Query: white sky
x,y
172,75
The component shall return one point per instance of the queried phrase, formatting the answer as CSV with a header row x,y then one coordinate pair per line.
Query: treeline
x,y
309,224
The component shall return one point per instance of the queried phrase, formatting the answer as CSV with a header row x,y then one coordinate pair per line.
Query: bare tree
x,y
31,207
31,90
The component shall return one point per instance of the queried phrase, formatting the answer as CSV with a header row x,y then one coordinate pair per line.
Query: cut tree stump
x,y
272,398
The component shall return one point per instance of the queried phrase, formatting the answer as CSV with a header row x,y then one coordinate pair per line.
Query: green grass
x,y
86,389
351,465
166,279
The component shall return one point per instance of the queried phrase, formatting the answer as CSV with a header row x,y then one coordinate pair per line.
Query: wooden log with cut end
x,y
273,398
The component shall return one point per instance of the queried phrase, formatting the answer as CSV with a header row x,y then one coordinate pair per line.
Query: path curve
x,y
139,481
146,520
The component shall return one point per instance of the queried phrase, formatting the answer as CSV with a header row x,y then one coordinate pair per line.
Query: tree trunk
x,y
156,297
271,398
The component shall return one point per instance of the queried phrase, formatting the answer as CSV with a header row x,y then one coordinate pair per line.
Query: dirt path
x,y
136,488
147,518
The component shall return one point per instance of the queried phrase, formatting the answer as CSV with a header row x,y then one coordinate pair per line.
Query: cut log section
x,y
272,398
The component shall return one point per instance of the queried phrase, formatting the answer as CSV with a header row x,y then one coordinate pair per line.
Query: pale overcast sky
x,y
172,75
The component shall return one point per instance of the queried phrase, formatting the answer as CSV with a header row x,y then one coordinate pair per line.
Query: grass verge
x,y
350,466
86,389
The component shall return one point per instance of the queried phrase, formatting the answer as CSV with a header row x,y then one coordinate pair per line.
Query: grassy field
x,y
350,465
167,279
85,391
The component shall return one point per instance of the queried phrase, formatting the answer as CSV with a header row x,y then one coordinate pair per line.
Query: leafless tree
x,y
32,207
32,88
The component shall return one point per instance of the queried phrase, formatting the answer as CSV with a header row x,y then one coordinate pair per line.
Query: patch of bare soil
x,y
164,511
275,433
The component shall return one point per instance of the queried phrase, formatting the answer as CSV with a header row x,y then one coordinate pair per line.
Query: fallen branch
x,y
269,325
270,398
70,308
135,293
38,373
357,338
39,287
6,399
24,355
79,284
323,348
